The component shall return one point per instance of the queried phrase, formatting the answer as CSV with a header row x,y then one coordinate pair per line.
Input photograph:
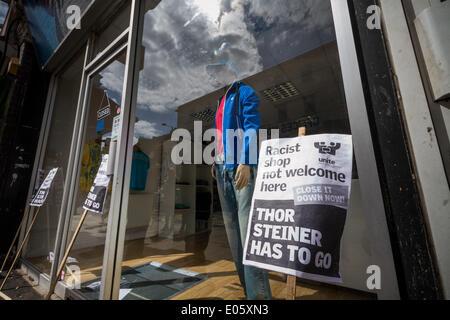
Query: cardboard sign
x,y
41,195
96,198
300,205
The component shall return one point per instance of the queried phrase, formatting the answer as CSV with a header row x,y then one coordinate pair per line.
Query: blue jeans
x,y
236,206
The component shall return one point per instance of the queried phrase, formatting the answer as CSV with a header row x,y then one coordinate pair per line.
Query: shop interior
x,y
176,245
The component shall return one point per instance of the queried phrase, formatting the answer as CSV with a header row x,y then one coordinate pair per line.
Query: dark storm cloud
x,y
183,37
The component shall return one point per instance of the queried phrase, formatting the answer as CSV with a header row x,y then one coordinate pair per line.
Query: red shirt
x,y
219,127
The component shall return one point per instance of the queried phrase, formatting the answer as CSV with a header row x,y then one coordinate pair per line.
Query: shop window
x,y
177,243
40,247
103,109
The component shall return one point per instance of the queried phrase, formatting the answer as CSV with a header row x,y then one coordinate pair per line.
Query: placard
x,y
40,197
300,205
96,198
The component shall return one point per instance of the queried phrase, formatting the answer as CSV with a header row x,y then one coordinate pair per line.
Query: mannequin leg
x,y
257,280
230,218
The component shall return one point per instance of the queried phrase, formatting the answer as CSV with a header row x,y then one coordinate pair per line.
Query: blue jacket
x,y
244,148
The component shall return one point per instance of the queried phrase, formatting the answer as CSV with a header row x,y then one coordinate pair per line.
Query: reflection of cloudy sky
x,y
183,37
3,11
112,81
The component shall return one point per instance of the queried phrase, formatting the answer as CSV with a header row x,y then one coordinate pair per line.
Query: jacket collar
x,y
231,89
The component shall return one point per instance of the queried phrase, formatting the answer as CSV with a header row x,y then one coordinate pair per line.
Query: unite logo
x,y
327,149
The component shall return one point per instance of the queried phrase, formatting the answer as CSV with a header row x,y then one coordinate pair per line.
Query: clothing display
x,y
139,171
219,126
245,117
236,207
90,163
239,110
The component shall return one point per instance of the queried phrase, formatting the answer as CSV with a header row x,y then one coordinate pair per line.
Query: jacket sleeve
x,y
251,121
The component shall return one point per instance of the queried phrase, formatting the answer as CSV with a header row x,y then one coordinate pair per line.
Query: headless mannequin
x,y
243,172
235,187
242,176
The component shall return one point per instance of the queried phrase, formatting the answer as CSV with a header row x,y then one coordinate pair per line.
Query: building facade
x,y
365,68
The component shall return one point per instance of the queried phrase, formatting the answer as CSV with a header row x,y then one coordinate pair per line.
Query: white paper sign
x,y
115,128
300,205
41,196
123,293
96,198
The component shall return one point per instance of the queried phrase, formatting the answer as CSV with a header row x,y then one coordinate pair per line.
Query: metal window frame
x,y
115,238
40,158
62,229
90,68
106,58
116,43
112,264
365,155
421,125
42,144
373,202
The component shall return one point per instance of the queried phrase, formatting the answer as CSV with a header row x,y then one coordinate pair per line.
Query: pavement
x,y
22,287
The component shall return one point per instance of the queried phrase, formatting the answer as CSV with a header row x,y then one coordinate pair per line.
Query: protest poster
x,y
96,198
39,198
299,206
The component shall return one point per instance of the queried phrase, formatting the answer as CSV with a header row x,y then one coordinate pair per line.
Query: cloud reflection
x,y
182,38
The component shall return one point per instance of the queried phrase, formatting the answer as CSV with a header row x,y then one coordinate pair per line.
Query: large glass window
x,y
103,110
177,245
42,240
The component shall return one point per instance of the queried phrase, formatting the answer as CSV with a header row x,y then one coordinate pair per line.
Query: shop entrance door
x,y
173,236
98,132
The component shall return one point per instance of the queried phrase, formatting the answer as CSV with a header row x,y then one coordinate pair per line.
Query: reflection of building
x,y
333,71
306,86
315,82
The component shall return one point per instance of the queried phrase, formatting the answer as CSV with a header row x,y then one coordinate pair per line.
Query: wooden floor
x,y
215,261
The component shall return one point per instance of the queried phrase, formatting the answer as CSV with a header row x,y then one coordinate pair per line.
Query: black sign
x,y
96,198
303,238
41,195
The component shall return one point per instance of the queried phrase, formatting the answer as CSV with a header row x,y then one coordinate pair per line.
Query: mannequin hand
x,y
242,177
